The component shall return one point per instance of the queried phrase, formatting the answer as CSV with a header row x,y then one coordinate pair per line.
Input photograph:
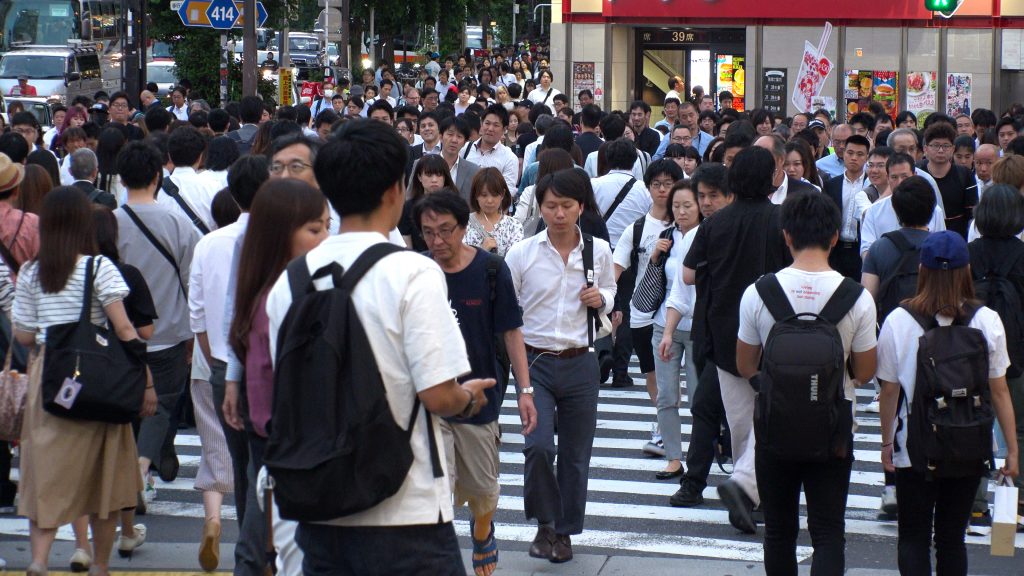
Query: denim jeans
x,y
426,550
826,486
667,375
942,502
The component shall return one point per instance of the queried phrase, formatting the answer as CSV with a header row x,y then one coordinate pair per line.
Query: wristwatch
x,y
527,390
470,407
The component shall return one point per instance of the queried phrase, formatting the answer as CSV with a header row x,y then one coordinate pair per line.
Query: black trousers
x,y
8,489
845,259
708,417
944,503
623,349
826,486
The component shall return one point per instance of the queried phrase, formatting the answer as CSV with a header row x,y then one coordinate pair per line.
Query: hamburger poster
x,y
866,86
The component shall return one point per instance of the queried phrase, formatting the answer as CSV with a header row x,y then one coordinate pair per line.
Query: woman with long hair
x,y
939,500
490,226
108,146
799,164
72,468
221,153
34,187
430,175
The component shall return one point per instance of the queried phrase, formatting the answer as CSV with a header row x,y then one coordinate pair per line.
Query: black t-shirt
x,y
735,246
959,192
139,302
588,142
408,228
649,140
469,293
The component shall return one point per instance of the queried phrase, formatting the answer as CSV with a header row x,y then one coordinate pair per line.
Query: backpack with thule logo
x,y
334,447
949,425
801,413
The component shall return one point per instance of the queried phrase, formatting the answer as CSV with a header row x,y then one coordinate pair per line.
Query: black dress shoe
x,y
689,494
740,507
543,543
622,381
168,469
561,551
666,475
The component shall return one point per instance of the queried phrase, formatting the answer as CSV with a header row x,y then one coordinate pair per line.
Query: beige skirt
x,y
70,468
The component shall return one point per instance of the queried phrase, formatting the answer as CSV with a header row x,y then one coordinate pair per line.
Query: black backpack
x,y
993,287
801,413
949,425
902,282
334,447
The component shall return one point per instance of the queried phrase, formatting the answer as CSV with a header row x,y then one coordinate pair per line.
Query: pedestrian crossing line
x,y
641,394
668,544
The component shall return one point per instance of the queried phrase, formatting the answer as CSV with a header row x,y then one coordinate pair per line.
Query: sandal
x,y
487,548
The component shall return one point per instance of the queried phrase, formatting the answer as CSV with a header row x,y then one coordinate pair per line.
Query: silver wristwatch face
x,y
528,390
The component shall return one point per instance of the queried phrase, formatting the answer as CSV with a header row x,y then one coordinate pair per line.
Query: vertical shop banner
x,y
773,91
922,91
814,69
732,78
958,94
582,79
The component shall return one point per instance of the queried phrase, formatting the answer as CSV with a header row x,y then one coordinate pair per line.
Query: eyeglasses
x,y
941,147
119,105
294,167
23,130
442,233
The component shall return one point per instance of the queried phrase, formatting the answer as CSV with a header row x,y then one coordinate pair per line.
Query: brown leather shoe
x,y
542,543
561,550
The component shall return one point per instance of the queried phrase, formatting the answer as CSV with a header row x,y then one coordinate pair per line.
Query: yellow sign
x,y
284,87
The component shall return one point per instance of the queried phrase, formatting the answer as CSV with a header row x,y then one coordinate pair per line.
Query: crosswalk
x,y
627,510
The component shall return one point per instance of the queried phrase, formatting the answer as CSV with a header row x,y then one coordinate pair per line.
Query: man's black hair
x,y
914,202
303,115
671,100
737,140
25,118
138,163
750,176
472,120
881,152
858,140
14,146
515,91
983,117
590,116
199,119
585,92
568,183
158,119
536,110
937,131
939,117
246,176
619,154
444,201
325,117
407,111
221,153
899,158
811,221
120,95
641,105
1016,146
286,113
185,145
864,119
665,166
381,105
499,111
457,122
218,118
360,163
1007,121
159,141
966,141
250,110
560,98
613,126
293,139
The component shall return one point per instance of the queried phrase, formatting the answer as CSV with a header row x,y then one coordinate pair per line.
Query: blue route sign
x,y
222,14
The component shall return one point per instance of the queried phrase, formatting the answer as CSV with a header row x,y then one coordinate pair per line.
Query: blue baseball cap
x,y
944,250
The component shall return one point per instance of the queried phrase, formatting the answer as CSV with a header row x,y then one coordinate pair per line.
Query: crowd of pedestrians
x,y
435,240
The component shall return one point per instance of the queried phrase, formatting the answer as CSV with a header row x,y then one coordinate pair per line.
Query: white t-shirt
x,y
808,292
897,358
623,250
880,218
540,96
403,305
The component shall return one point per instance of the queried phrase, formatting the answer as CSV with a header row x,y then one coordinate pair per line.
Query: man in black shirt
x,y
588,140
647,138
958,187
738,245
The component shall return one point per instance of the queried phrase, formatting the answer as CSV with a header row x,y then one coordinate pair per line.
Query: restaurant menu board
x,y
773,91
865,86
958,94
921,94
731,78
583,77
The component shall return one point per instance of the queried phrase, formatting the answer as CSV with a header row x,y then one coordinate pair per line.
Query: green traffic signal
x,y
939,5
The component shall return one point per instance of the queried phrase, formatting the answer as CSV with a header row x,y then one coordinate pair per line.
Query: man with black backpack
x,y
386,353
484,301
890,272
798,328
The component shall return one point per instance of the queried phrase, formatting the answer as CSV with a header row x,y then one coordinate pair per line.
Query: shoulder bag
x,y
88,372
13,391
651,290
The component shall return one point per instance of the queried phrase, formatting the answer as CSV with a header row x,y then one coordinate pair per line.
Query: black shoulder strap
x,y
842,301
469,148
86,315
901,241
970,309
493,264
774,298
298,276
638,232
156,244
94,194
173,191
365,261
9,258
588,275
619,198
1008,264
926,322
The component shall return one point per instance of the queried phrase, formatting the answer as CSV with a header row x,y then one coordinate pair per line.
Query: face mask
x,y
328,93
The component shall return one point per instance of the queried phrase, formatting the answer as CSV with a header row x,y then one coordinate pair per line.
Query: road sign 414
x,y
219,14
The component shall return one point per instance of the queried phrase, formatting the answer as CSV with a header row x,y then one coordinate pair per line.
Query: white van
x,y
57,73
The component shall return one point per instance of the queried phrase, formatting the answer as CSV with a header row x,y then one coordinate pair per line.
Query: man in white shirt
x,y
293,156
784,185
613,126
881,218
843,189
984,158
419,352
186,147
621,199
559,307
489,152
904,140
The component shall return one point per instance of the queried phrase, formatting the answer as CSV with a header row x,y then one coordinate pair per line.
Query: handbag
x,y
650,291
88,372
13,391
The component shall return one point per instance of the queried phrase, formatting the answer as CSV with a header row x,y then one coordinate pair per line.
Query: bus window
x,y
89,66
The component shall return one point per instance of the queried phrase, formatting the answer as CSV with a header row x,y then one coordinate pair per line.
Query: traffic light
x,y
939,5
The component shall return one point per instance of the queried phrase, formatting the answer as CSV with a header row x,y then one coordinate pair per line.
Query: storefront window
x,y
922,72
969,70
783,49
872,62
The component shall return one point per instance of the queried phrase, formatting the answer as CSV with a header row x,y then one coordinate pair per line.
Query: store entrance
x,y
710,58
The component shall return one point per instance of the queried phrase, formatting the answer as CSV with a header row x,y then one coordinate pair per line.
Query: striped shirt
x,y
35,310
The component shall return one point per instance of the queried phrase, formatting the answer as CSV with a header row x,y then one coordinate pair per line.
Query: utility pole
x,y
133,65
344,56
249,63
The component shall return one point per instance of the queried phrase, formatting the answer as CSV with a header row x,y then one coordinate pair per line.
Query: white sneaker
x,y
149,494
889,506
80,561
126,546
655,447
873,406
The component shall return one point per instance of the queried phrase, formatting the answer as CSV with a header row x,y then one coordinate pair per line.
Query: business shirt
x,y
179,113
636,203
208,283
700,142
549,290
831,165
848,231
881,218
530,152
198,191
501,157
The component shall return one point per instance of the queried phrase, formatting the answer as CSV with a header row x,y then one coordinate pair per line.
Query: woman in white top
x,y
672,247
70,468
544,93
490,226
944,495
527,209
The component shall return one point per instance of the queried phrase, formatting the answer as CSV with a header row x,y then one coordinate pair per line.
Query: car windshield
x,y
303,44
162,50
35,67
160,74
38,109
